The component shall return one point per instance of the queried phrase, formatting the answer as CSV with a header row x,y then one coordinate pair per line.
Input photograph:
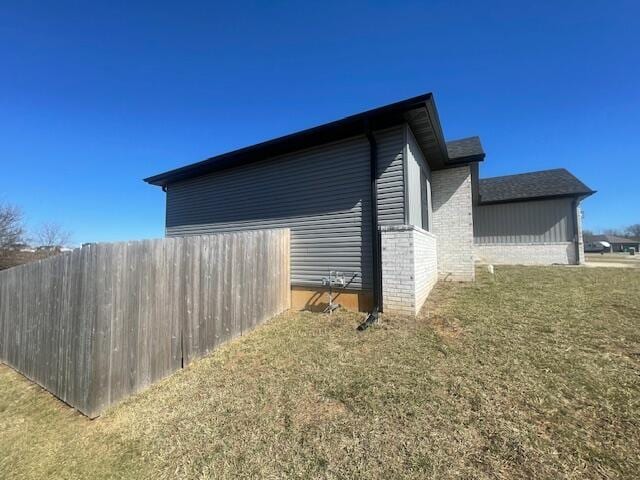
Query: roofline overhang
x,y
579,196
460,161
434,119
376,119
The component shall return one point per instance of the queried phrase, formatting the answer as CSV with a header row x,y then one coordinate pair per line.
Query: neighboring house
x,y
530,219
321,183
21,247
616,244
49,248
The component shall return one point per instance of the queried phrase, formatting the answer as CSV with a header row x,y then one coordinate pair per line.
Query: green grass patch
x,y
534,373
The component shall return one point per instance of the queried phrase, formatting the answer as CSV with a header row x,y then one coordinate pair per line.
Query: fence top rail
x,y
99,245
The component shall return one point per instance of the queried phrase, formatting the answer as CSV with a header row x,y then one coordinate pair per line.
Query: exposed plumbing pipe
x,y
375,234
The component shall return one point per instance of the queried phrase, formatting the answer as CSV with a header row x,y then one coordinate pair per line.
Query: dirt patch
x,y
447,328
312,410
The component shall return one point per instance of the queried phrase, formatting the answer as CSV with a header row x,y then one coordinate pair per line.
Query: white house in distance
x,y
383,198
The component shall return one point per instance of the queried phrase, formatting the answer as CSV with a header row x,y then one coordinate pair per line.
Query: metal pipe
x,y
576,233
375,234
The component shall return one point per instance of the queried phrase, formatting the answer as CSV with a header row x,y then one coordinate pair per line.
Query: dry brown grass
x,y
613,260
533,375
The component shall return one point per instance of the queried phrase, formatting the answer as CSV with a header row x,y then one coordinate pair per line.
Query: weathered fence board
x,y
97,324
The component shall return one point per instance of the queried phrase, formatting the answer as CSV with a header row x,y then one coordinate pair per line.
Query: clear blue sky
x,y
94,96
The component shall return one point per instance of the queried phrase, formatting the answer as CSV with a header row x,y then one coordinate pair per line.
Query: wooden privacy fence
x,y
97,324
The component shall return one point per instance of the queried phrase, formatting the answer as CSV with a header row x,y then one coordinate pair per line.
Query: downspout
x,y
375,234
576,235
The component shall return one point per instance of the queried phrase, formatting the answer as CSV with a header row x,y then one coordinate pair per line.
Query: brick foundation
x,y
409,268
562,253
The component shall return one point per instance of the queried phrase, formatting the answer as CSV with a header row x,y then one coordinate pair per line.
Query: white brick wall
x,y
425,264
453,222
526,253
409,268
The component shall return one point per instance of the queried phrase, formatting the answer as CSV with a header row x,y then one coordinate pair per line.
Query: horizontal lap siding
x,y
390,176
544,221
321,194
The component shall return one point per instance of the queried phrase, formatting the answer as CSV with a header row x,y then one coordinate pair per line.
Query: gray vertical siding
x,y
415,163
322,194
542,221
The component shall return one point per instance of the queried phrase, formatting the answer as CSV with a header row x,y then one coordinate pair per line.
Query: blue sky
x,y
94,96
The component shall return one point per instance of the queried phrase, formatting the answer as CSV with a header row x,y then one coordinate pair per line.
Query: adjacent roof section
x,y
610,239
531,186
465,150
420,112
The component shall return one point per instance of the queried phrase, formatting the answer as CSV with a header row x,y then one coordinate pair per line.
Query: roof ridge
x,y
530,173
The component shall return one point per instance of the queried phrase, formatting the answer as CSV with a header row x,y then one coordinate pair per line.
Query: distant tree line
x,y
18,246
631,232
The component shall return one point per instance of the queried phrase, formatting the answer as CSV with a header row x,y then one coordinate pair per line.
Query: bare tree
x,y
11,234
11,225
613,231
52,234
633,231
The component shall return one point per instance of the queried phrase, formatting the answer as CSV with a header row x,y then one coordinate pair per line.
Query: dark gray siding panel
x,y
390,176
321,194
524,222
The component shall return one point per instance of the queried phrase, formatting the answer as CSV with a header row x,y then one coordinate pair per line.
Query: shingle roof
x,y
465,148
547,183
609,238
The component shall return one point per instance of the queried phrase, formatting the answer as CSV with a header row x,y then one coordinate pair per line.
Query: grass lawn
x,y
535,374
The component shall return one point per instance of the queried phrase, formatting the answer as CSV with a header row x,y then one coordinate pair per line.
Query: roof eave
x,y
434,118
579,195
459,161
378,118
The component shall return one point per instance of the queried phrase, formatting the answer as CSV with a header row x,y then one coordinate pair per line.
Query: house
x,y
49,248
616,244
530,219
19,247
380,196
